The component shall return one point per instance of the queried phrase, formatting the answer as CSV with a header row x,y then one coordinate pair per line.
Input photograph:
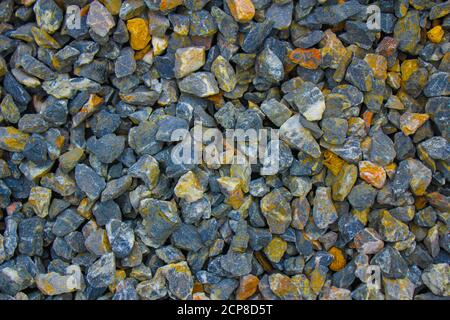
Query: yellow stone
x,y
139,33
242,10
403,287
39,200
396,103
425,157
410,122
395,67
88,108
436,34
332,49
420,202
361,215
188,60
231,188
113,6
199,296
317,280
356,125
12,139
262,260
139,55
378,64
189,188
445,61
333,162
408,68
159,44
275,249
283,287
35,171
43,39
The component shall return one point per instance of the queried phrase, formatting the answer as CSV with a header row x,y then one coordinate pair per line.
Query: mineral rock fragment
x,y
324,212
102,272
189,188
200,84
89,181
100,19
224,73
242,10
275,208
115,183
40,200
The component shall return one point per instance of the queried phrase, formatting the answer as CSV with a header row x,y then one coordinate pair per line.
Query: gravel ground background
x,y
94,206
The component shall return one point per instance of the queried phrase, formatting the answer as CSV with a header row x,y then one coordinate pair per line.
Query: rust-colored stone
x,y
247,287
307,58
372,173
169,4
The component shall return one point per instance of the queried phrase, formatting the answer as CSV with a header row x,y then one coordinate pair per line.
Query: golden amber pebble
x,y
85,10
139,55
420,202
262,260
362,215
139,33
333,162
410,122
12,139
242,10
217,99
316,245
395,67
408,68
198,287
338,259
247,287
232,189
317,280
189,188
378,64
436,34
275,249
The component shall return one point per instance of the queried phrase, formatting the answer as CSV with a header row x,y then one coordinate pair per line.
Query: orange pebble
x,y
247,287
338,259
307,58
